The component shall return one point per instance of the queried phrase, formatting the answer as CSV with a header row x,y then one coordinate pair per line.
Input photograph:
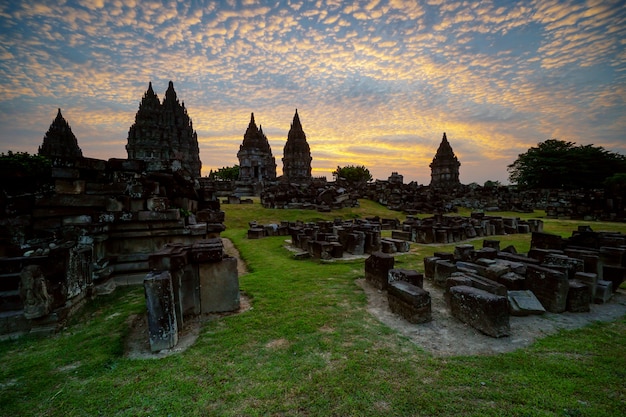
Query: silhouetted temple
x,y
445,166
164,131
296,154
59,141
256,162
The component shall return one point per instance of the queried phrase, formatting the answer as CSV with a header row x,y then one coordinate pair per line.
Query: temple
x,y
445,167
164,131
59,141
296,154
256,163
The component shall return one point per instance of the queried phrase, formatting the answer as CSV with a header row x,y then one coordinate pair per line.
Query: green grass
x,y
307,347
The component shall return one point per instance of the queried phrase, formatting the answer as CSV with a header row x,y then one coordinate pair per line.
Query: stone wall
x,y
94,227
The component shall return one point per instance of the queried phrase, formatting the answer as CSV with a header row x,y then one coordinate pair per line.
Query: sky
x,y
375,83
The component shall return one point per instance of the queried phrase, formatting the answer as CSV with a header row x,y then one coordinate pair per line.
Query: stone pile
x,y
94,227
333,239
484,287
451,229
316,194
188,280
405,293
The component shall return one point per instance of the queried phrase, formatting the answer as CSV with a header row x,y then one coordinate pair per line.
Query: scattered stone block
x,y
429,266
512,281
443,270
604,291
409,301
524,303
256,233
590,279
408,275
550,287
613,273
377,268
578,297
480,309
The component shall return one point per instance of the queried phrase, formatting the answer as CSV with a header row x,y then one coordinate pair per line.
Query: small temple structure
x,y
445,166
296,154
59,141
256,163
164,131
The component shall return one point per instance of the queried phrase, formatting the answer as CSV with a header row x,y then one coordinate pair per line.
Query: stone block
x,y
169,258
542,240
207,250
512,281
573,265
377,268
401,234
480,309
396,245
590,279
69,187
219,286
613,273
550,287
162,325
524,303
464,252
495,271
429,266
604,291
409,301
408,275
578,297
256,233
443,270
171,214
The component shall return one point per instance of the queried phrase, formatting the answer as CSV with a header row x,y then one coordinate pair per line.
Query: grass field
x,y
308,347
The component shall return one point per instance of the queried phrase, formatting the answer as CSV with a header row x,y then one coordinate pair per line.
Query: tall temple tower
x,y
445,167
59,141
256,163
296,154
164,131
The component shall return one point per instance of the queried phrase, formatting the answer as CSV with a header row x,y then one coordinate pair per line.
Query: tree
x,y
225,173
21,172
559,164
353,174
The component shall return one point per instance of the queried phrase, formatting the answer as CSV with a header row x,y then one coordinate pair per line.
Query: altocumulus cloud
x,y
375,82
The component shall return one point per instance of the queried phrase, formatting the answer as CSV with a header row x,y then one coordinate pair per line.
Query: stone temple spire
x,y
256,163
445,166
59,141
296,154
164,131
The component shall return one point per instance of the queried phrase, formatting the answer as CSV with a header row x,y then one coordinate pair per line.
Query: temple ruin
x,y
296,154
257,165
445,166
164,132
59,141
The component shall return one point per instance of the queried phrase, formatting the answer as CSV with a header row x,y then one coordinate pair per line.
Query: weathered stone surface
x,y
604,291
377,268
409,301
578,297
464,252
549,286
443,270
524,303
445,167
480,309
613,273
162,326
34,293
512,281
408,275
430,263
541,240
219,286
207,250
590,279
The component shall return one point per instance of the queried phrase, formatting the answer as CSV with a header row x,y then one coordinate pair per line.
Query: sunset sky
x,y
376,83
